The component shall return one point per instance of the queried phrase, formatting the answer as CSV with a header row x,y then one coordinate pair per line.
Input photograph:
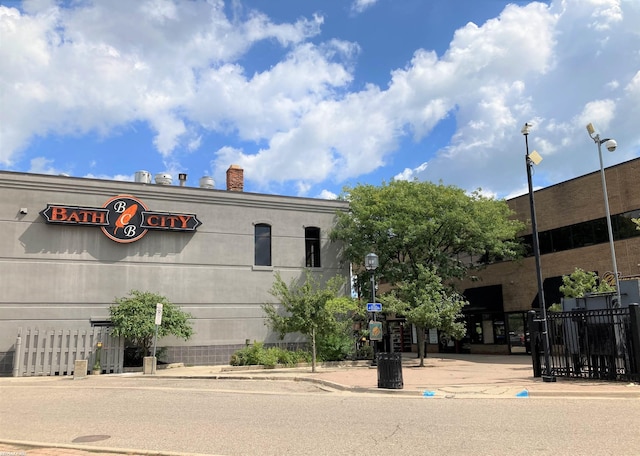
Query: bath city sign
x,y
123,218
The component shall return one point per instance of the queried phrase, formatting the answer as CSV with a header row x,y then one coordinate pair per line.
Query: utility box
x,y
629,294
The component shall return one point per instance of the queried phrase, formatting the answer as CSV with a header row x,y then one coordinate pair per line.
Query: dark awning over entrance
x,y
484,299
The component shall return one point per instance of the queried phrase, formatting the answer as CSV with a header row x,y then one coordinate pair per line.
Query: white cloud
x,y
97,67
358,6
116,177
328,195
43,165
409,174
555,79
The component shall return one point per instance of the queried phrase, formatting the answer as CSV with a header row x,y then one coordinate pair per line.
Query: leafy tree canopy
x,y
413,224
133,317
581,282
426,303
309,308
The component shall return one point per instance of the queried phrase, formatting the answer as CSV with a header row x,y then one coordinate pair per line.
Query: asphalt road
x,y
296,418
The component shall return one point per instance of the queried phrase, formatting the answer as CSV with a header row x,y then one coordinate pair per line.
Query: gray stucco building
x,y
70,246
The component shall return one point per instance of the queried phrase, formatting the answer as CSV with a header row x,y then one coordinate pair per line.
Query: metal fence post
x,y
634,320
534,337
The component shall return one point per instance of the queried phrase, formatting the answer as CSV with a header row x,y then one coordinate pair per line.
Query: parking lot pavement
x,y
443,376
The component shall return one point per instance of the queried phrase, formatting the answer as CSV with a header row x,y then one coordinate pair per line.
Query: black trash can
x,y
390,370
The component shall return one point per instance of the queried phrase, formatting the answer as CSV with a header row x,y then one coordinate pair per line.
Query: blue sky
x,y
310,96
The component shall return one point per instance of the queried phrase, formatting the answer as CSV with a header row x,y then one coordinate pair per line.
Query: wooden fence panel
x,y
54,351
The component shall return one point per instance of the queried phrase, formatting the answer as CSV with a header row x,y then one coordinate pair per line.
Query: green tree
x,y
309,308
133,318
637,222
581,282
420,231
426,303
413,224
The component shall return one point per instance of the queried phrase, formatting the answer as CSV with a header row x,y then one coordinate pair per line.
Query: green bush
x,y
258,355
336,346
364,352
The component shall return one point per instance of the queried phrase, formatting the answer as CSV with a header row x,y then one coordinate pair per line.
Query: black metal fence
x,y
598,344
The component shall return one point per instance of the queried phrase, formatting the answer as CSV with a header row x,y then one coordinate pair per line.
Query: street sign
x,y
158,314
374,307
375,330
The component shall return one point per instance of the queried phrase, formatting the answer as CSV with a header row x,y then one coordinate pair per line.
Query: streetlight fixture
x,y
533,159
611,146
371,264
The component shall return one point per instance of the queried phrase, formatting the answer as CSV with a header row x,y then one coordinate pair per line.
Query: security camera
x,y
611,145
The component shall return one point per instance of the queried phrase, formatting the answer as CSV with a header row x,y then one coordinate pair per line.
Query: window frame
x,y
312,244
262,244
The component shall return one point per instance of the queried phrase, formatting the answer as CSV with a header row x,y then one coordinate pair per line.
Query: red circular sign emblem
x,y
125,219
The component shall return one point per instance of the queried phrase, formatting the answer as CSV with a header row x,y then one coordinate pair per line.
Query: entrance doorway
x,y
517,332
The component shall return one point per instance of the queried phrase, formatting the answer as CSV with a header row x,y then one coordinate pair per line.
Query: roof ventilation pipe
x,y
207,182
163,179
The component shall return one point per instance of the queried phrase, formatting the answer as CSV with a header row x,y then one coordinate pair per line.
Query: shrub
x,y
335,346
364,352
248,356
133,318
258,355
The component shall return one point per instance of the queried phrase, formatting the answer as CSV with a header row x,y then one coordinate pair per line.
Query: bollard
x,y
80,368
149,365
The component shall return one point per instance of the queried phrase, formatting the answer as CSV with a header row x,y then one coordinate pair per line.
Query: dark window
x,y
623,227
561,239
600,232
263,244
544,242
312,247
583,234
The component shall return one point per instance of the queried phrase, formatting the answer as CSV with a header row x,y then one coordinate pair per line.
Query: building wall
x,y
66,276
567,203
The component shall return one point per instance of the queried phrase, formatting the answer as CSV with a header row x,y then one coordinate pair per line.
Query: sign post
x,y
158,323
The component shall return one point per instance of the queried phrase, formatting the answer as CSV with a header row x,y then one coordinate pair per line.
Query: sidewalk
x,y
443,376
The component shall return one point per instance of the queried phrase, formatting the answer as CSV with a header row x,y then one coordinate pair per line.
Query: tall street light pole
x,y
531,159
611,146
371,264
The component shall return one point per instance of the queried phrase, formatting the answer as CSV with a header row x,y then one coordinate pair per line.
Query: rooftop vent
x,y
143,177
182,177
163,179
207,182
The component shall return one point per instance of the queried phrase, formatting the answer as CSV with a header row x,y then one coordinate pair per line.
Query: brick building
x,y
573,234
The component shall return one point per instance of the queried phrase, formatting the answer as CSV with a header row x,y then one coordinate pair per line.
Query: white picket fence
x,y
54,351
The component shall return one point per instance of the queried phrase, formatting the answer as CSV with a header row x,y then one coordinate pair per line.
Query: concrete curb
x,y
21,444
439,392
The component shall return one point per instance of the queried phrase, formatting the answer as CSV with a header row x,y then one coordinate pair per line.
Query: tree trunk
x,y
313,350
420,331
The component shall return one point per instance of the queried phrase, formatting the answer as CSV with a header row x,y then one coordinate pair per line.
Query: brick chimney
x,y
235,179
